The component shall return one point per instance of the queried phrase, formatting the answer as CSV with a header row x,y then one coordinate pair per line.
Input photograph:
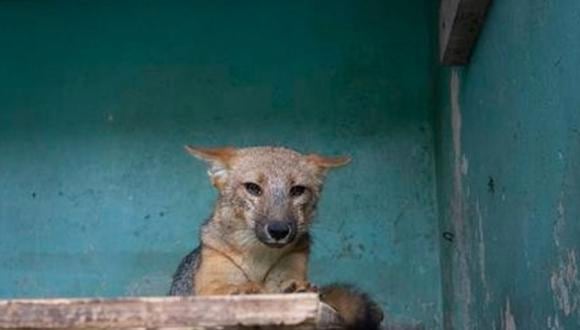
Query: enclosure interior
x,y
99,98
458,210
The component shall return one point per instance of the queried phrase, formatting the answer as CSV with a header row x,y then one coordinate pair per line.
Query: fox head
x,y
266,194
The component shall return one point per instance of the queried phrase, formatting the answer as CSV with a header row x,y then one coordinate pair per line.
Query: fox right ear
x,y
328,162
219,160
323,163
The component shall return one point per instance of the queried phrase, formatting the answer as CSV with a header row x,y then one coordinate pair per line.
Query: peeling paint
x,y
564,281
462,277
508,320
560,222
481,251
565,285
464,165
455,114
554,324
456,131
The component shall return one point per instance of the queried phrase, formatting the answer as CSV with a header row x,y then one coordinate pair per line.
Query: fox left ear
x,y
326,163
219,160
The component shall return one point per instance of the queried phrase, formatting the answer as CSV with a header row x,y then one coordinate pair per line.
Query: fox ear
x,y
326,163
219,160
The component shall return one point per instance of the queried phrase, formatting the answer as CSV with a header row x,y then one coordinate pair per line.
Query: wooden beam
x,y
460,22
290,311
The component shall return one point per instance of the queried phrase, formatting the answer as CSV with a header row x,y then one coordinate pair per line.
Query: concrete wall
x,y
97,99
509,173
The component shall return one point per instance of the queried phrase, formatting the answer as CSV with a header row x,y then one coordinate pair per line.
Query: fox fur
x,y
257,239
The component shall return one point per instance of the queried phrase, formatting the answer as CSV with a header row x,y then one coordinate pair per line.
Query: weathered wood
x,y
460,22
295,311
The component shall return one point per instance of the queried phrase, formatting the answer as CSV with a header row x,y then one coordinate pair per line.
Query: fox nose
x,y
278,230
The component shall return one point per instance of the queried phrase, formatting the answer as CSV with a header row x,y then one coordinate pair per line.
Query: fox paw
x,y
249,288
300,287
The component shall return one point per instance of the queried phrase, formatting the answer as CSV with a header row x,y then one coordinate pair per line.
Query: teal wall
x,y
97,99
509,172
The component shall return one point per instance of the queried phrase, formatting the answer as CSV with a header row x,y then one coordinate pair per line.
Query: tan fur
x,y
231,256
234,258
224,270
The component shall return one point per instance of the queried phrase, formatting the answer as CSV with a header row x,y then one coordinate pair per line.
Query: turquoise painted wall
x,y
509,172
97,99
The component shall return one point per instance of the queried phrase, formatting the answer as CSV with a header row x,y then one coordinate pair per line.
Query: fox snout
x,y
276,233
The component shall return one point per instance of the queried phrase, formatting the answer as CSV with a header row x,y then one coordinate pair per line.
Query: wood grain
x,y
290,311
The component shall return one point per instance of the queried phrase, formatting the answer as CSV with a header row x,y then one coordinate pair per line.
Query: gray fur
x,y
182,284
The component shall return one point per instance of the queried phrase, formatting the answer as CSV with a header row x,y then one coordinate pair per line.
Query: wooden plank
x,y
460,22
290,311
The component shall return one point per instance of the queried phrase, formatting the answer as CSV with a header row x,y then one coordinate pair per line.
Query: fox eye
x,y
253,188
297,191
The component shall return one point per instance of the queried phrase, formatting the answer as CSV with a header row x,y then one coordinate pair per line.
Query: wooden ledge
x,y
289,311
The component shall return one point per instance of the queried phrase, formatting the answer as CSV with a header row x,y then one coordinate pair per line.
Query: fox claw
x,y
250,288
300,287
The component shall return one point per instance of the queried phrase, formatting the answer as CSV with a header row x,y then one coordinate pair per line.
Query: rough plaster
x,y
97,99
509,172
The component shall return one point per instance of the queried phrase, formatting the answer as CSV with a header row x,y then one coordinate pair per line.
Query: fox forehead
x,y
277,164
272,165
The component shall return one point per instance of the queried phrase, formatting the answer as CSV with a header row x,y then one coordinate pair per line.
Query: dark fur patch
x,y
182,284
356,308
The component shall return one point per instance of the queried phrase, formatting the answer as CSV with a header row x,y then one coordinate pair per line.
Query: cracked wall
x,y
508,169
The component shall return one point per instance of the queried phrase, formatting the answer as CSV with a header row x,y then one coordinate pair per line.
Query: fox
x,y
257,239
